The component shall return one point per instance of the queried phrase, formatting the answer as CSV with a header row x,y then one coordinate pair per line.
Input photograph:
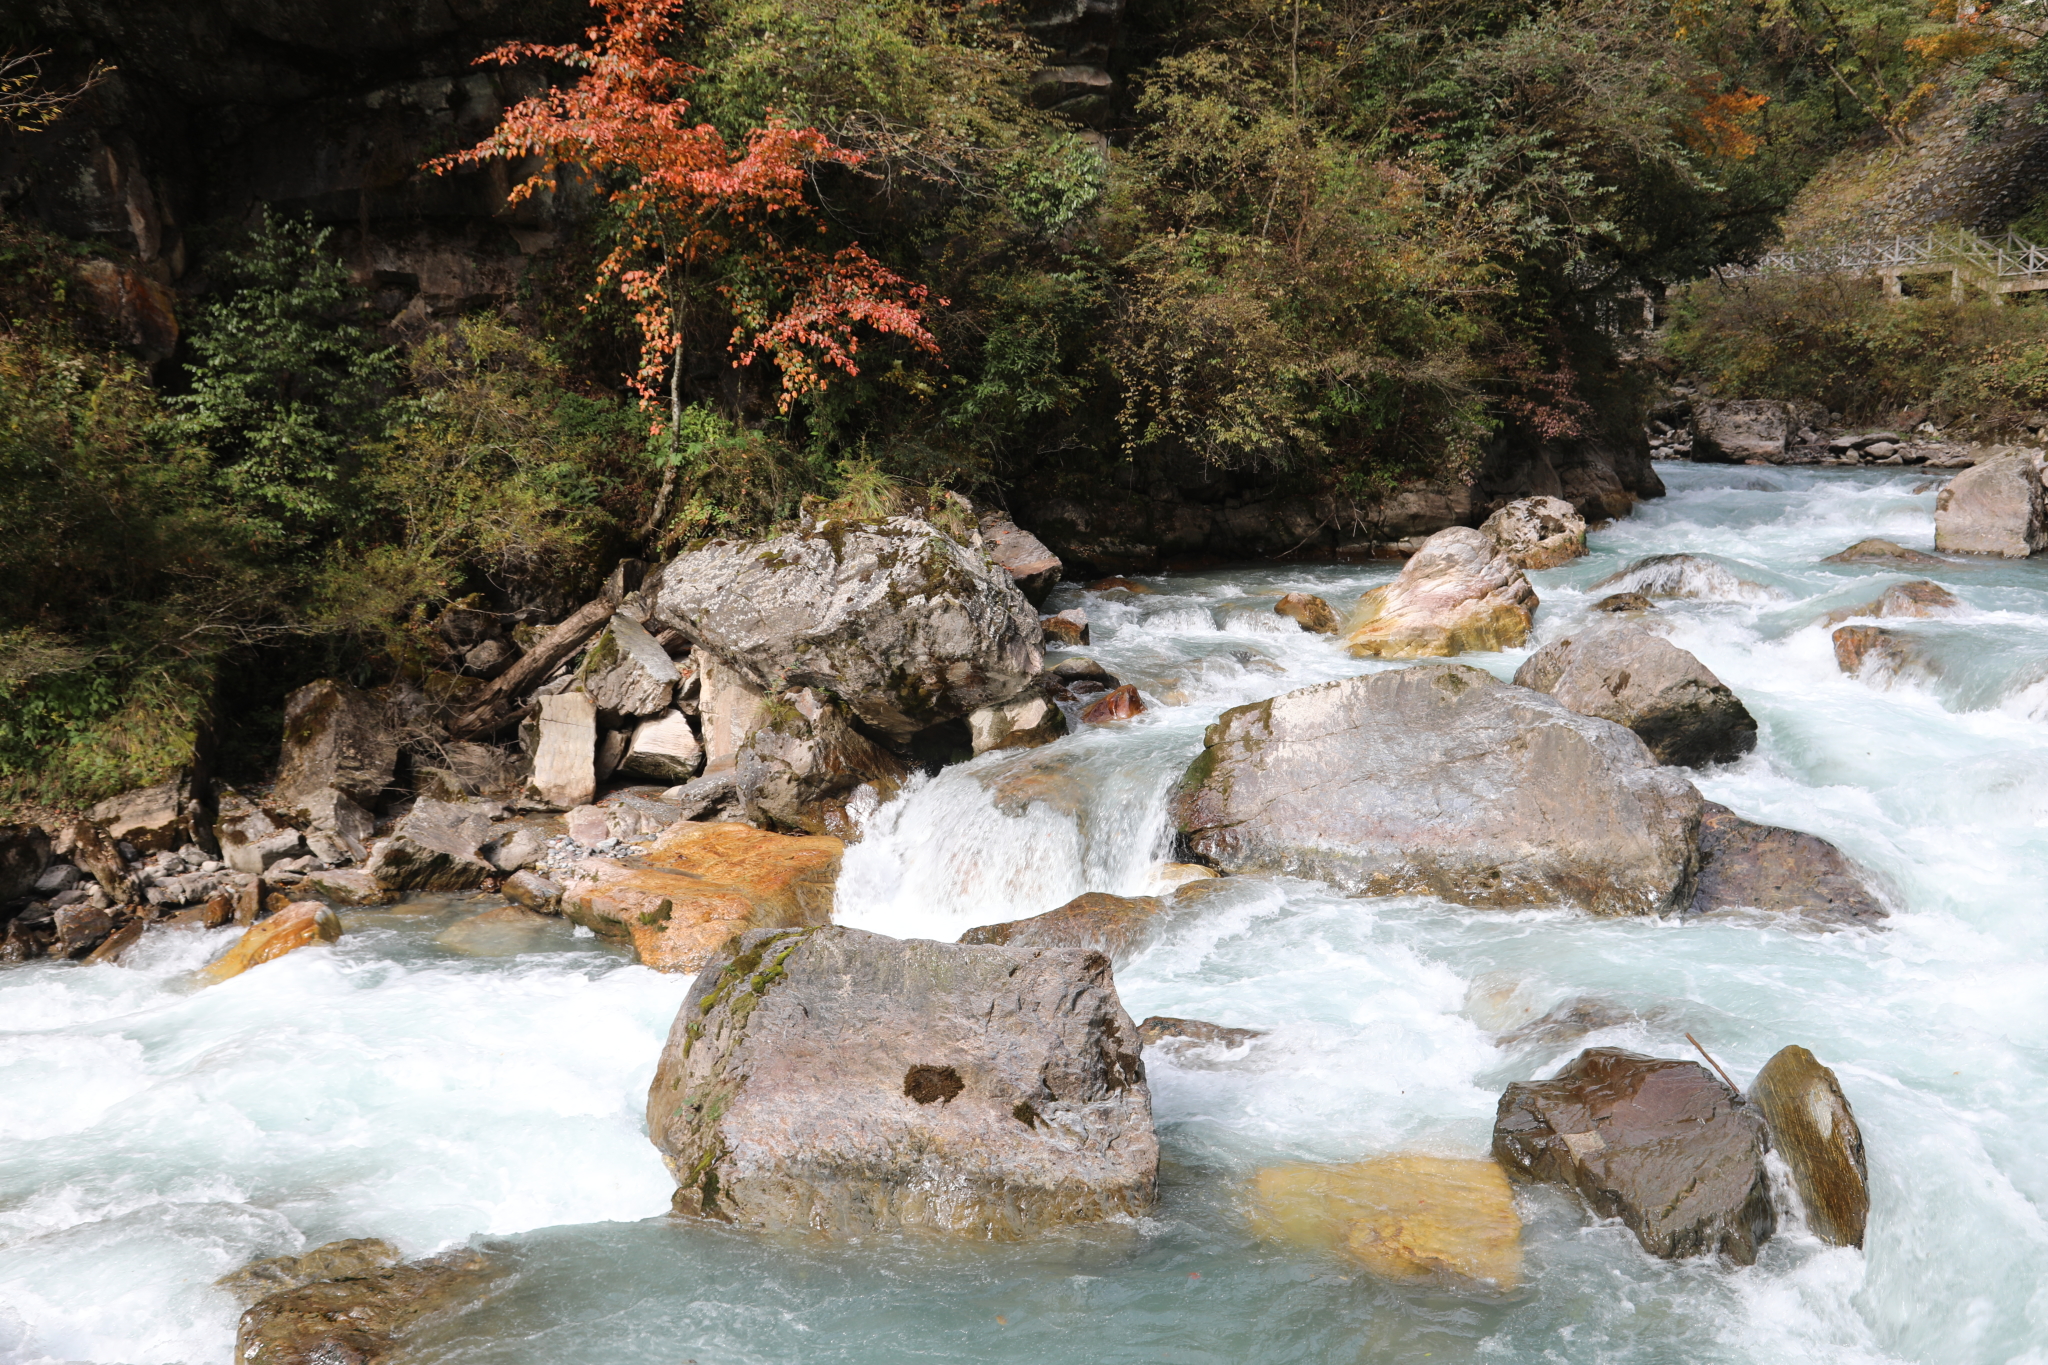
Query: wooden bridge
x,y
2009,265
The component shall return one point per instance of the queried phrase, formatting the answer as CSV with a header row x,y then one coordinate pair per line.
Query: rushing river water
x,y
433,1087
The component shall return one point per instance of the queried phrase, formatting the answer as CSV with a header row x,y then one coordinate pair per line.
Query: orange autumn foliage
x,y
688,200
1719,128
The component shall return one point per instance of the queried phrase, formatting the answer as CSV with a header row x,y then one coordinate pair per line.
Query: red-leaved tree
x,y
689,202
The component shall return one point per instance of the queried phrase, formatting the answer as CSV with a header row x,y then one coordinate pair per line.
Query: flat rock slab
x,y
700,884
1442,780
436,847
1814,1130
1636,678
1745,865
1404,1218
1165,1029
1116,925
1662,1145
841,1082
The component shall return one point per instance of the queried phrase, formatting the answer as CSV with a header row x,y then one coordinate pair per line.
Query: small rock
x,y
1311,613
118,943
1083,670
297,925
1745,865
1628,675
664,749
1116,925
1814,1130
1023,723
1069,628
626,674
150,818
1625,602
535,892
56,877
489,658
1537,533
80,929
565,763
1566,1023
1121,703
1877,655
588,825
1180,874
1160,1028
347,886
1404,1218
1457,594
1125,584
1881,552
521,848
1662,1145
1919,598
1693,576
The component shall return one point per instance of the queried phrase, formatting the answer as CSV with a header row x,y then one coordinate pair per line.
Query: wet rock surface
x,y
1118,926
358,1310
1918,599
1877,551
1663,1145
1309,612
1024,722
1442,780
906,627
1814,1130
1410,1217
1624,603
296,926
1166,1030
1683,575
847,1083
1782,871
1119,703
1879,655
1458,593
1635,678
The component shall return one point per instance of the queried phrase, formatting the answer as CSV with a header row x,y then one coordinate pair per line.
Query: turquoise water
x,y
395,1085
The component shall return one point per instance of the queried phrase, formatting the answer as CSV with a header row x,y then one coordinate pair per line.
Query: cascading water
x,y
429,1088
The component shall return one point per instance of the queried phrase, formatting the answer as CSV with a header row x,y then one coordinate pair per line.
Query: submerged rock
x,y
1878,655
1164,1028
700,884
1404,1218
1663,1145
1116,925
841,1082
1744,865
297,925
1442,780
1813,1128
352,1259
366,1314
1624,603
1309,612
1882,552
905,626
1997,508
1458,593
1119,703
1628,675
1919,598
1537,533
1693,576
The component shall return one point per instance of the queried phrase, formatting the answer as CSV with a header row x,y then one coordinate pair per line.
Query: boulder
x,y
627,674
336,738
1309,612
1997,508
802,767
89,846
1744,865
80,929
521,848
116,944
347,886
1537,533
1813,1129
1118,583
436,847
1624,603
1163,1028
1878,655
1729,431
1663,1145
905,626
535,892
151,818
664,749
1119,703
1068,628
1681,575
1632,677
1882,552
700,884
365,1316
1919,599
296,926
1457,593
1024,722
1118,926
489,658
24,855
331,814
732,709
565,760
1404,1218
1442,780
841,1082
1033,568
1083,670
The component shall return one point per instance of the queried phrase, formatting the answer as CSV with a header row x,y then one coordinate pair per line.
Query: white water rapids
x,y
153,1137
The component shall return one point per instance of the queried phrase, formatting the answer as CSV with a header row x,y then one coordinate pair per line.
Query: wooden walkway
x,y
2009,265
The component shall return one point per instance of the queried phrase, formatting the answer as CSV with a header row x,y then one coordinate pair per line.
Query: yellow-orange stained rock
x,y
1404,1217
699,884
295,926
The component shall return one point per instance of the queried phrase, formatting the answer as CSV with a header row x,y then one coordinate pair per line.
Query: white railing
x,y
2011,259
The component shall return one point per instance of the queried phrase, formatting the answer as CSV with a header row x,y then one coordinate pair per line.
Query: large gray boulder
x,y
1636,678
906,626
1728,431
1996,508
150,818
1662,1145
1748,866
627,674
1814,1130
830,1080
436,847
1442,780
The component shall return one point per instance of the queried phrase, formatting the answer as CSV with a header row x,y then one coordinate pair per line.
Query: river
x,y
432,1086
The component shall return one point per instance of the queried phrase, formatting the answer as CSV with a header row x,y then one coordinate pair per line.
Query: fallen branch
x,y
533,667
1714,1064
